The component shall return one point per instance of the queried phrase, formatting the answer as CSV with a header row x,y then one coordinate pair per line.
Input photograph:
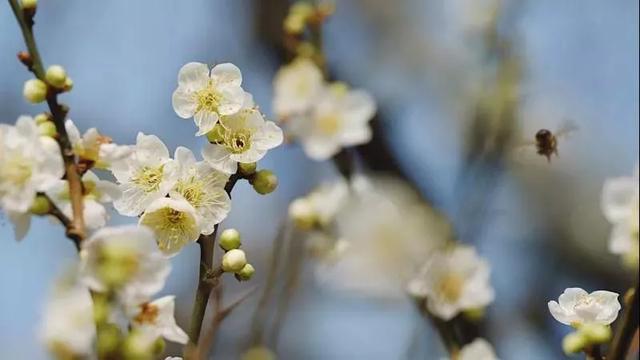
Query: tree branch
x,y
624,332
75,228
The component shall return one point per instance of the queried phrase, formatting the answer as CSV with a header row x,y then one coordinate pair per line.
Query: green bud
x,y
475,314
108,340
234,260
246,273
35,91
230,239
302,213
596,333
216,135
56,76
42,118
573,343
117,265
137,346
48,129
158,346
29,4
68,84
258,353
40,206
265,182
247,169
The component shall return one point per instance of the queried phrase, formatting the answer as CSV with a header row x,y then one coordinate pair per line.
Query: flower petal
x,y
193,76
205,121
184,103
226,74
219,158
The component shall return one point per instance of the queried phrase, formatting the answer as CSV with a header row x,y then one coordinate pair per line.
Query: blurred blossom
x,y
296,86
387,232
453,280
479,349
577,307
68,326
156,319
29,163
95,147
620,207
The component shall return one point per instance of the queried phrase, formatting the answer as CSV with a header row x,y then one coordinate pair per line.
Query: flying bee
x,y
546,141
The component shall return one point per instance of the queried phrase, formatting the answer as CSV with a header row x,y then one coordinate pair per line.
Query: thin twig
x,y
624,332
75,229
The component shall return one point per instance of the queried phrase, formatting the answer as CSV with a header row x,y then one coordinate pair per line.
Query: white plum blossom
x,y
577,307
243,137
383,234
95,147
29,163
339,118
147,175
68,324
125,259
156,319
203,187
174,223
95,193
453,280
320,207
620,206
296,86
206,95
478,349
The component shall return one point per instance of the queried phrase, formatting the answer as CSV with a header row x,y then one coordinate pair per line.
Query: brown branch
x,y
624,332
76,228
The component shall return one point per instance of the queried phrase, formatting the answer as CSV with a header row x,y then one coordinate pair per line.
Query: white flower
x,y
620,206
384,233
68,325
576,307
320,206
148,174
242,137
29,163
96,192
207,95
156,319
478,349
95,147
339,118
174,222
124,258
453,280
296,86
203,187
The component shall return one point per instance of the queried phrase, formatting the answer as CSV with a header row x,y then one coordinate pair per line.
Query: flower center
x,y
238,141
170,226
16,170
328,124
148,314
208,99
450,287
116,264
191,190
148,178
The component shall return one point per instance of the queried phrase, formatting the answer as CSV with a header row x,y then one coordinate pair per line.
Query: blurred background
x,y
538,223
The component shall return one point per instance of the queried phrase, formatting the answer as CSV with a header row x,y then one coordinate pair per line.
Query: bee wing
x,y
567,128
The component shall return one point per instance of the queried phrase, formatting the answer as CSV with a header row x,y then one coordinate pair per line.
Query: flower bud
x,y
138,346
258,353
35,91
68,84
230,239
265,182
216,134
294,24
47,128
234,260
40,206
247,169
41,118
117,265
246,273
108,340
56,76
302,213
596,333
573,343
29,4
475,314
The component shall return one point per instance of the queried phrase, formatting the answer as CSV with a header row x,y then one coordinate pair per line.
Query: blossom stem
x,y
75,228
624,332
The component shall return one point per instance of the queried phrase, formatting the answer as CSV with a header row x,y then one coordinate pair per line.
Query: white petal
x,y
150,150
184,103
227,74
249,156
621,240
268,137
355,135
570,296
95,215
72,132
559,313
21,223
205,121
219,158
618,196
193,76
231,100
320,148
184,157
